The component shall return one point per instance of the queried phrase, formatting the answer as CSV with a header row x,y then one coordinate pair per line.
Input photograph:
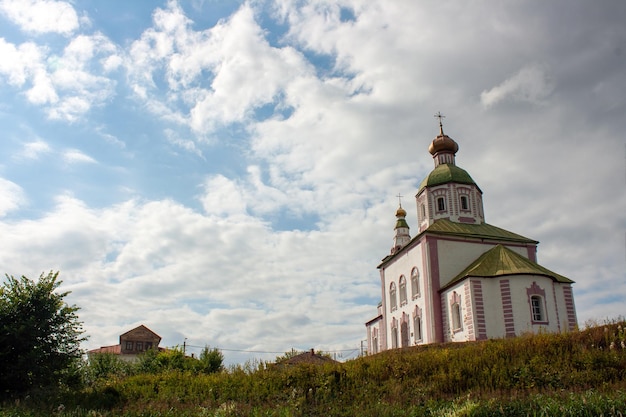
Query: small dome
x,y
400,212
443,143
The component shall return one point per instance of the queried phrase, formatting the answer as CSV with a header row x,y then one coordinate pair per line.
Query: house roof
x,y
141,329
501,261
115,349
308,357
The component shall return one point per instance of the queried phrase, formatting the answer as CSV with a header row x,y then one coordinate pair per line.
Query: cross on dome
x,y
440,116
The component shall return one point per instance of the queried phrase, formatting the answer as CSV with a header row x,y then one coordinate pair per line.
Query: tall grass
x,y
581,373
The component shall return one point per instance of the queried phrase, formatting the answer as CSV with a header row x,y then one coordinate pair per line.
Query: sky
x,y
225,172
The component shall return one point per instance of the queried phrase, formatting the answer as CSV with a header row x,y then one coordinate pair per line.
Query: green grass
x,y
581,373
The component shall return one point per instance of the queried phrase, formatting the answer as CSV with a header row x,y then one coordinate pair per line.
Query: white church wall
x,y
524,323
494,312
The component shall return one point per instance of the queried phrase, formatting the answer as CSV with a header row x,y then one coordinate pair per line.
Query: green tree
x,y
210,360
40,334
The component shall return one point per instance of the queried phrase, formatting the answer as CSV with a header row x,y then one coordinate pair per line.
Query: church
x,y
459,278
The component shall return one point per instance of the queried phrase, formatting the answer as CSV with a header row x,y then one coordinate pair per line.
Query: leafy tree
x,y
155,361
40,334
210,360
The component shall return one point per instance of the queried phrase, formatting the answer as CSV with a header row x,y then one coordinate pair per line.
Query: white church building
x,y
461,279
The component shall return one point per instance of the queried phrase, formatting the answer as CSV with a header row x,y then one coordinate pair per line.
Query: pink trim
x,y
435,286
479,304
532,253
383,339
507,308
556,308
568,295
467,220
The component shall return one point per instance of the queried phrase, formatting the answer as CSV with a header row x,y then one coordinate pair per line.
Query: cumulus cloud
x,y
41,16
11,196
530,84
326,122
219,75
68,84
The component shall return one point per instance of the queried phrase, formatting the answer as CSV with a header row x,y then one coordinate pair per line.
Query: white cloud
x,y
72,156
66,85
244,71
284,250
19,63
32,150
530,84
41,16
11,196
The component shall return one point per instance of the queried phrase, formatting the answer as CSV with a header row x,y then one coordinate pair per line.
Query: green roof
x,y
445,173
483,230
500,261
445,227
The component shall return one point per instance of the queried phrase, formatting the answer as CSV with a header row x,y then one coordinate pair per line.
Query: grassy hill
x,y
580,373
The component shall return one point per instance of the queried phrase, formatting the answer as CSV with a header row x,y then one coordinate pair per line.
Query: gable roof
x,y
500,261
141,329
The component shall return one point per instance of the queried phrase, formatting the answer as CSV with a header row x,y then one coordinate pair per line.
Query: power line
x,y
267,351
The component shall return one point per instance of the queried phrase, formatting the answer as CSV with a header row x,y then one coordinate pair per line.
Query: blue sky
x,y
225,172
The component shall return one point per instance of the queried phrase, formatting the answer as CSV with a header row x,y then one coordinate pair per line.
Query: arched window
x,y
423,210
537,301
464,203
415,283
456,316
536,305
417,328
393,302
402,290
394,333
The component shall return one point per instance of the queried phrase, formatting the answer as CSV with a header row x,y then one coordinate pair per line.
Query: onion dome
x,y
443,143
445,173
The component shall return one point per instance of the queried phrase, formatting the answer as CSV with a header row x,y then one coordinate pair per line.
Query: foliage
x,y
40,335
582,373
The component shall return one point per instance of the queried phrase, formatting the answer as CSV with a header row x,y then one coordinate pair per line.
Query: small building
x,y
309,357
132,344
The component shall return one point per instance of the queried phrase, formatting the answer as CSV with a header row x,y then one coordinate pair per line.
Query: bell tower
x,y
448,192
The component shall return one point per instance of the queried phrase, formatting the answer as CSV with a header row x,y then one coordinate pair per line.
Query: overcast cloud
x,y
225,172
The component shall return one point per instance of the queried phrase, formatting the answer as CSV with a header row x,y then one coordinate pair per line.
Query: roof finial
x,y
440,116
400,199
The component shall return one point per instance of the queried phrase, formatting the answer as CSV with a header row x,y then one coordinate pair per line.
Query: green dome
x,y
445,173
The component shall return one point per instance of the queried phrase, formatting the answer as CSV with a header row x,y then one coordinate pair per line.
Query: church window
x,y
464,203
417,328
394,333
456,317
402,290
393,302
537,301
441,204
415,284
423,211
